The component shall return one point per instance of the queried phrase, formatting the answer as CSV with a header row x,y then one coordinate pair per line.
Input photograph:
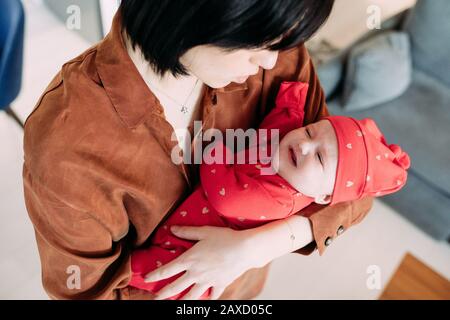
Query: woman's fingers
x,y
175,287
166,271
195,293
192,233
216,293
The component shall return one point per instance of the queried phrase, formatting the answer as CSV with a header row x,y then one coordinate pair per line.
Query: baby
x,y
333,160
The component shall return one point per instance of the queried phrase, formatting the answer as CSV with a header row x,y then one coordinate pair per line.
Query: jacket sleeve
x,y
327,222
80,208
79,258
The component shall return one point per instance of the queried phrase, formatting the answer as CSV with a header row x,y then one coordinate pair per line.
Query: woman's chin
x,y
218,84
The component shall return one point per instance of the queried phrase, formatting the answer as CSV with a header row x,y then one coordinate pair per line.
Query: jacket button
x,y
328,241
340,230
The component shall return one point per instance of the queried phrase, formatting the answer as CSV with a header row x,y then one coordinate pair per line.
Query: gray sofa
x,y
418,120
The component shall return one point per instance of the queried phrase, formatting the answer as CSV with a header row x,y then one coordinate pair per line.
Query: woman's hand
x,y
219,257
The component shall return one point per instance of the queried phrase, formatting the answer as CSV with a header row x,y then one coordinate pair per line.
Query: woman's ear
x,y
322,199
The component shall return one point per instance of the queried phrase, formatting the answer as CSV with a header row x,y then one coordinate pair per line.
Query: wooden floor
x,y
413,280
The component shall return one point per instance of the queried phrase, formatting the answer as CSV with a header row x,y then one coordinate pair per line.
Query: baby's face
x,y
307,159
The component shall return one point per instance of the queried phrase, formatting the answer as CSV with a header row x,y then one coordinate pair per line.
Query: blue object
x,y
429,27
11,50
378,71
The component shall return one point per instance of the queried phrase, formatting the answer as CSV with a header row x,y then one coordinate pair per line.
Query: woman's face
x,y
217,68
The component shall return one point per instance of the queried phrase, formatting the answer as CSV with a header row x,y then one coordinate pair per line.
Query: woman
x,y
98,174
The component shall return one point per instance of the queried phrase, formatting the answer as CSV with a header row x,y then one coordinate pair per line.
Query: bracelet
x,y
292,236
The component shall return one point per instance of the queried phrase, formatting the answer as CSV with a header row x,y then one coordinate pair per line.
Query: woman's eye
x,y
308,133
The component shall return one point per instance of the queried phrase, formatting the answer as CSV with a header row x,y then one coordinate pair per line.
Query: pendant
x,y
184,110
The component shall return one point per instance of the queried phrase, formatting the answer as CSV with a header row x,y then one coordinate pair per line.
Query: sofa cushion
x,y
330,75
429,30
423,205
378,70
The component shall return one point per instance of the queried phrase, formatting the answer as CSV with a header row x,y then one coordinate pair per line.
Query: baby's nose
x,y
304,148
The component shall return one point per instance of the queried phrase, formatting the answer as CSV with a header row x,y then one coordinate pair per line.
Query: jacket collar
x,y
128,92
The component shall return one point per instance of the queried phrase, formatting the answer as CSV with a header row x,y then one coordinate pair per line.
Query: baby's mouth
x,y
293,156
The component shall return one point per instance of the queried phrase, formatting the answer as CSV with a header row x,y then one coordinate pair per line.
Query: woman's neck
x,y
178,88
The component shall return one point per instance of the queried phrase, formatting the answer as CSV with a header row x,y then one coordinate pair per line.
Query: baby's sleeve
x,y
236,194
289,111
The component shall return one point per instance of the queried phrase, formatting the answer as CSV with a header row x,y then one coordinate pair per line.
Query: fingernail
x,y
174,228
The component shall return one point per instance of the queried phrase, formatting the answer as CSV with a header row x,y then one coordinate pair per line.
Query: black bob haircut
x,y
165,29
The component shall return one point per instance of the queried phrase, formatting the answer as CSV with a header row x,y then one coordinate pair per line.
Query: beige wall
x,y
348,20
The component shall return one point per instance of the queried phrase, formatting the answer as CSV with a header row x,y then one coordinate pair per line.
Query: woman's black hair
x,y
165,29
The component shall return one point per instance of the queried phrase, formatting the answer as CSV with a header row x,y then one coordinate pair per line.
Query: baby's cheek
x,y
313,181
331,177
